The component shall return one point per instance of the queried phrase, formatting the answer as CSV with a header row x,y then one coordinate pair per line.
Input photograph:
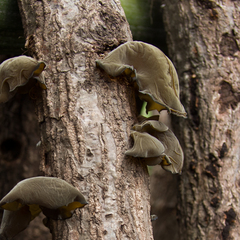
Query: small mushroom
x,y
172,159
56,198
145,146
13,222
150,126
17,74
153,72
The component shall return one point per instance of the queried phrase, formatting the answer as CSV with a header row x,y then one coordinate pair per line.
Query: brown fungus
x,y
14,222
172,157
150,126
56,198
153,72
17,75
145,146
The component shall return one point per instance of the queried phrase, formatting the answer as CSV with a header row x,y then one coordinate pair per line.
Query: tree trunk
x,y
203,40
85,117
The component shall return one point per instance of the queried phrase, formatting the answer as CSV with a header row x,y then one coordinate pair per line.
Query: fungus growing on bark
x,y
13,222
18,74
149,126
56,198
145,146
172,157
153,72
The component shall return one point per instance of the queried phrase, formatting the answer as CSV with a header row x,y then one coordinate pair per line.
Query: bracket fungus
x,y
150,125
151,69
13,222
56,198
172,159
145,146
17,74
170,154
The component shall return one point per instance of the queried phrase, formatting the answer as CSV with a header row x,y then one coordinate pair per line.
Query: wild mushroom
x,y
150,126
56,198
13,222
172,157
153,72
145,146
173,153
17,74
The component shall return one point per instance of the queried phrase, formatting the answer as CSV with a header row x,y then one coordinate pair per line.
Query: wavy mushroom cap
x,y
172,159
153,72
145,146
16,72
13,222
150,126
55,197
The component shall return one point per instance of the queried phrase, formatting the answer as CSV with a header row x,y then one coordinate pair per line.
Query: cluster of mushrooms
x,y
157,82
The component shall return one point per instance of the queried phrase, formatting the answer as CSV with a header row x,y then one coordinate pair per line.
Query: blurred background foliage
x,y
11,29
146,24
144,17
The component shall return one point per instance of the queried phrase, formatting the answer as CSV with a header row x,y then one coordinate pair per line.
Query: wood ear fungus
x,y
14,222
19,74
171,159
145,146
153,72
56,198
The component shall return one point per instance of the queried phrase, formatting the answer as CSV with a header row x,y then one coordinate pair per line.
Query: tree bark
x,y
203,40
85,117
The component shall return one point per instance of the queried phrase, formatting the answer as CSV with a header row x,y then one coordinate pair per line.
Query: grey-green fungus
x,y
56,198
150,126
145,146
49,194
153,72
172,157
14,222
19,74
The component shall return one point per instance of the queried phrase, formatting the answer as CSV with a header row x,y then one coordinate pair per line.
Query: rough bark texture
x,y
85,117
203,39
19,156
